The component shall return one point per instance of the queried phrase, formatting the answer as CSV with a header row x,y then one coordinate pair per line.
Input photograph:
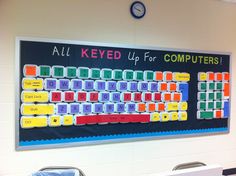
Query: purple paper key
x,y
76,84
86,108
109,108
62,108
64,84
133,86
100,85
115,96
51,84
142,86
104,96
88,84
74,108
153,86
122,86
111,86
120,107
97,107
130,107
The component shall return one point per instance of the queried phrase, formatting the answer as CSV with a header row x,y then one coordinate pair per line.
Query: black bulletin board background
x,y
40,53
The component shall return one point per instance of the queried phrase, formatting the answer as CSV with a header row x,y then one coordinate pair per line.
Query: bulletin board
x,y
72,93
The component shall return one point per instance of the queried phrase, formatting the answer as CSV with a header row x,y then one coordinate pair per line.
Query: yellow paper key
x,y
55,121
183,116
172,106
27,122
182,77
165,117
183,106
31,96
68,120
31,122
41,121
37,109
155,117
32,84
174,116
202,76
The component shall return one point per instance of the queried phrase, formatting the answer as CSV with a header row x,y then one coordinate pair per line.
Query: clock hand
x,y
137,9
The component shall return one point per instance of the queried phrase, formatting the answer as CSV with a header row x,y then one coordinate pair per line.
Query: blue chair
x,y
59,171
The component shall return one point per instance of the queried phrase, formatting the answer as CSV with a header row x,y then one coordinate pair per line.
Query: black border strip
x,y
230,171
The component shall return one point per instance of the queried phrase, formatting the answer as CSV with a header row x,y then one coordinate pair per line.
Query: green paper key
x,y
210,105
83,72
202,105
71,72
58,71
148,75
206,114
211,86
138,75
117,74
44,71
210,96
95,73
218,105
106,74
128,75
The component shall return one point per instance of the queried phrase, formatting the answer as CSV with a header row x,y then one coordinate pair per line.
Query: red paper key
x,y
69,96
81,96
93,96
137,96
127,96
55,96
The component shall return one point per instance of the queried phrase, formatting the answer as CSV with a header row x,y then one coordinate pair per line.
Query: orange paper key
x,y
159,76
172,86
218,114
168,76
151,107
163,86
218,77
161,107
30,70
210,76
226,89
176,96
141,107
167,97
226,76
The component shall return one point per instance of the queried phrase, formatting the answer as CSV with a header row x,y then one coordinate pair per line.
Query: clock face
x,y
138,9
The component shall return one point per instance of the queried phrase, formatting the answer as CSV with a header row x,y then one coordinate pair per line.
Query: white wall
x,y
187,24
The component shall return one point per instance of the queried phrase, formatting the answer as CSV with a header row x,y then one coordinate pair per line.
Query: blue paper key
x,y
86,108
88,85
120,107
109,108
74,108
50,84
64,84
143,86
130,107
133,86
226,109
76,84
183,87
122,85
115,96
153,86
61,108
97,107
104,96
111,86
100,85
